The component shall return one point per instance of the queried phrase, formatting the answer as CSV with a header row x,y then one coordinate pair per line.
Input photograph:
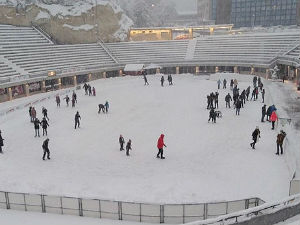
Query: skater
x,y
255,136
128,147
279,142
273,119
121,141
94,91
208,102
227,100
145,79
31,119
212,115
46,149
254,81
37,127
263,113
235,82
77,122
1,143
74,96
231,84
44,124
106,106
263,95
33,114
248,93
85,87
101,108
216,99
269,113
160,146
67,100
170,79
238,106
162,80
73,101
45,113
57,99
224,83
90,90
219,83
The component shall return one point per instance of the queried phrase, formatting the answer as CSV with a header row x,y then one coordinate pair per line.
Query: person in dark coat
x,y
255,136
57,99
46,149
45,113
106,106
67,100
85,86
90,90
263,113
170,79
33,114
121,141
1,143
45,125
162,80
77,118
73,102
279,142
212,115
94,91
224,83
219,83
248,92
37,127
216,99
128,147
160,146
227,100
238,106
208,102
269,112
74,96
263,95
30,108
101,108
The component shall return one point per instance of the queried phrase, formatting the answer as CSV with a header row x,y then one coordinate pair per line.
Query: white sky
x,y
185,6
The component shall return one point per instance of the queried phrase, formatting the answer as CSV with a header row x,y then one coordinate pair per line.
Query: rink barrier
x,y
265,214
118,210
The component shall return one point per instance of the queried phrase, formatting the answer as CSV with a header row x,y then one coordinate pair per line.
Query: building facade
x,y
250,13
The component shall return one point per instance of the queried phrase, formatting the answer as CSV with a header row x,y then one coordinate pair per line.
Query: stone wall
x,y
102,20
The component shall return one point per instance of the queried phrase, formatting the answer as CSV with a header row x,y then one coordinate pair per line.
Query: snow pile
x,y
204,162
85,27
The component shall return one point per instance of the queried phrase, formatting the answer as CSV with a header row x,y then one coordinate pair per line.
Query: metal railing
x,y
128,211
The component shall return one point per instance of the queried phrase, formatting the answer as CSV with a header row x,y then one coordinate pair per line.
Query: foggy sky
x,y
185,6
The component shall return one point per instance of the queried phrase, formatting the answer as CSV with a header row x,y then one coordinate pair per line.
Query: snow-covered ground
x,y
204,162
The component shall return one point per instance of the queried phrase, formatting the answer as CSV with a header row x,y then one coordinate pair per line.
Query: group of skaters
x,y
37,123
67,99
160,146
90,91
162,79
103,107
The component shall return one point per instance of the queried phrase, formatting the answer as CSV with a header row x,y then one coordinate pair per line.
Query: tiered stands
x,y
295,53
249,48
6,71
149,52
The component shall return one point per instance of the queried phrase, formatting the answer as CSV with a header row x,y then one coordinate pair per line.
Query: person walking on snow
x,y
219,83
77,118
227,100
128,147
1,143
279,142
212,115
255,136
44,124
224,83
263,95
45,113
33,114
67,100
46,149
31,119
160,146
121,141
145,79
94,91
170,79
273,119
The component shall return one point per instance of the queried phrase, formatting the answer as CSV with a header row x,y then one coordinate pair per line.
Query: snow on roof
x,y
133,67
152,66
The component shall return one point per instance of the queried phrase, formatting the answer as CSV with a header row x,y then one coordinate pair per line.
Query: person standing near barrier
x,y
160,146
279,142
46,149
77,118
255,136
1,142
273,119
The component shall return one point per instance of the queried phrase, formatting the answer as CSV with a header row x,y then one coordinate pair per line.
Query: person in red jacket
x,y
273,119
160,146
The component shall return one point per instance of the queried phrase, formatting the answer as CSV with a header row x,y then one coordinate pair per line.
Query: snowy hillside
x,y
204,162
